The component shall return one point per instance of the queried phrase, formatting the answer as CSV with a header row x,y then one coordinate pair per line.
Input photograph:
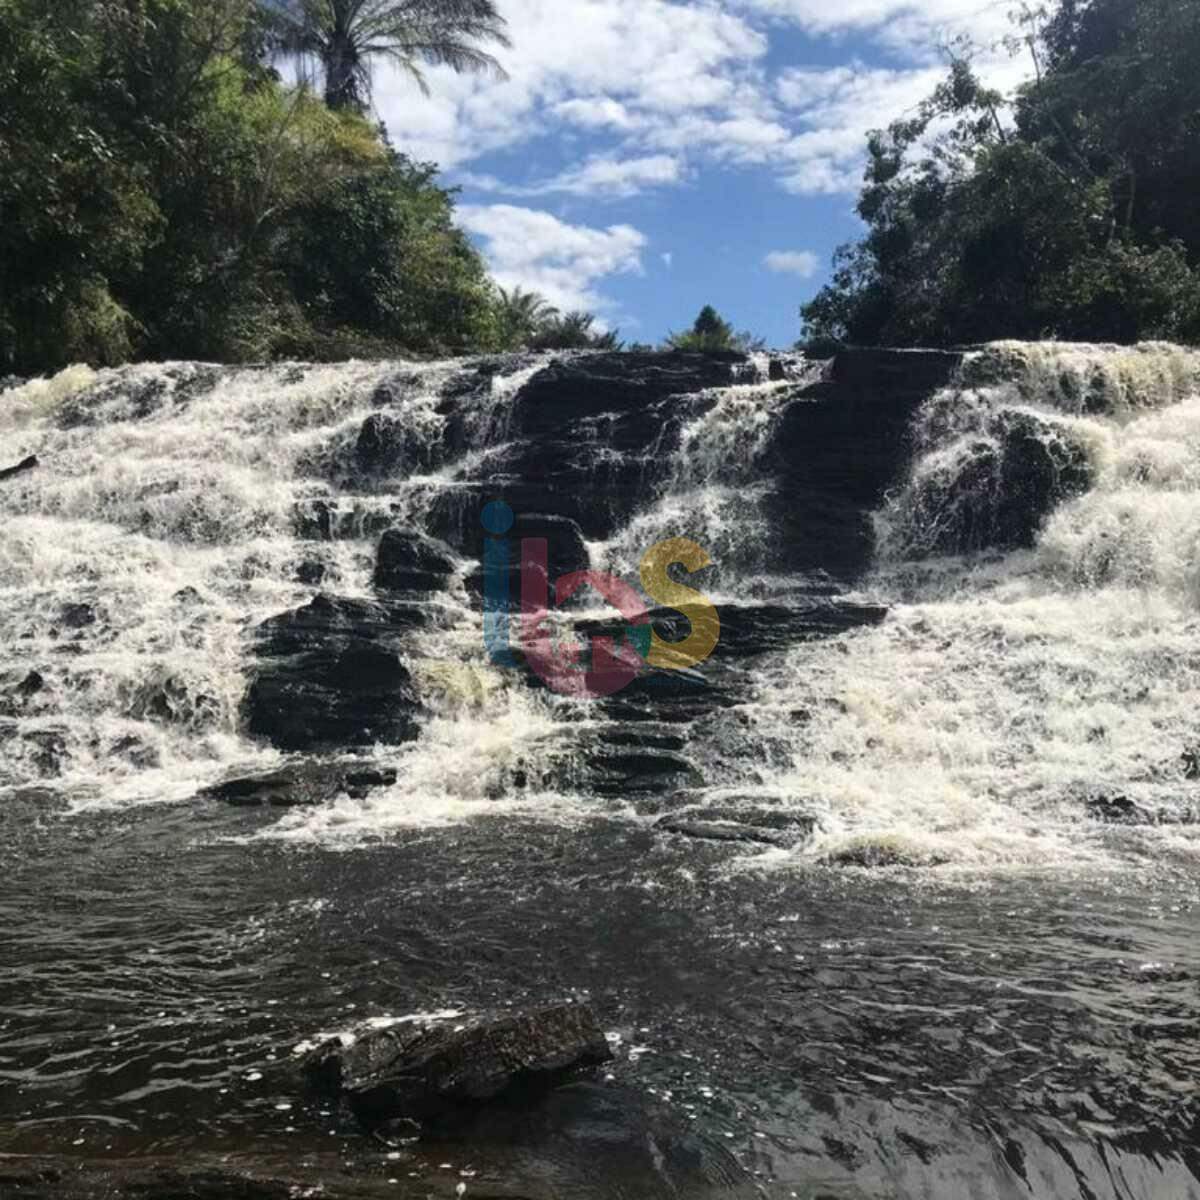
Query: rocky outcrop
x,y
590,434
410,561
997,491
389,445
328,675
842,443
26,464
388,1075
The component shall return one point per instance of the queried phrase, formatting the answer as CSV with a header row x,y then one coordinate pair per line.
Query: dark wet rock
x,y
135,395
783,828
591,386
589,434
670,696
46,749
881,852
135,752
393,1074
18,696
388,444
329,675
26,464
616,770
456,518
187,596
776,371
169,699
749,629
310,573
1119,809
331,518
410,561
77,616
1189,760
842,442
1002,487
300,784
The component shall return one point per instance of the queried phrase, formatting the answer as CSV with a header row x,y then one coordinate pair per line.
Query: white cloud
x,y
608,176
600,176
668,259
617,63
915,26
533,249
793,262
654,85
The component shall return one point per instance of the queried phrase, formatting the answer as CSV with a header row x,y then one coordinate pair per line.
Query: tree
x,y
710,333
520,315
1067,210
343,38
574,331
164,195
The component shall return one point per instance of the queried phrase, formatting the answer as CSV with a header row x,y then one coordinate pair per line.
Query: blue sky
x,y
646,157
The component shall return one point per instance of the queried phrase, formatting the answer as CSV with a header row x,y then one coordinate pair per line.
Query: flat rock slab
x,y
300,784
781,828
390,1075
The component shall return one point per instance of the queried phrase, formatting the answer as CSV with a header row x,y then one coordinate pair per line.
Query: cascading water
x,y
959,601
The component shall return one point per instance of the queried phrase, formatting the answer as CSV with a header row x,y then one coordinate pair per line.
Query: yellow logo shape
x,y
698,608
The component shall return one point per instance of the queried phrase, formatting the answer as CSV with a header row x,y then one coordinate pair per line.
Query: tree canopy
x,y
1067,211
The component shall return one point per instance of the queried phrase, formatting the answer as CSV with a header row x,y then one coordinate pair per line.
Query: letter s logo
x,y
698,608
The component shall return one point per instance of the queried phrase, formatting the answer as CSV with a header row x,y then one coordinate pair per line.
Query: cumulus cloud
x,y
660,89
592,63
793,262
535,250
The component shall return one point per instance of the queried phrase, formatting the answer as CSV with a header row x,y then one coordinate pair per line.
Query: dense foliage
x,y
1069,211
164,194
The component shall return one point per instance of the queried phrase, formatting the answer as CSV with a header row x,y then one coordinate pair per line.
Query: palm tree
x,y
522,314
575,331
344,38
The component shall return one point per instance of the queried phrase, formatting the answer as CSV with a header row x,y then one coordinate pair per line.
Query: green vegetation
x,y
528,321
1068,212
343,37
711,332
164,194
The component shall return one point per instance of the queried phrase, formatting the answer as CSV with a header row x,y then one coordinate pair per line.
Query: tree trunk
x,y
341,84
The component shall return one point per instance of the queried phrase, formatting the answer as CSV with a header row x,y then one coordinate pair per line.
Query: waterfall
x,y
1041,556
1036,548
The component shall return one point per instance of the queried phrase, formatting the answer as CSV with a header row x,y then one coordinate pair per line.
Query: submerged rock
x,y
874,852
781,828
299,784
391,1074
329,675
